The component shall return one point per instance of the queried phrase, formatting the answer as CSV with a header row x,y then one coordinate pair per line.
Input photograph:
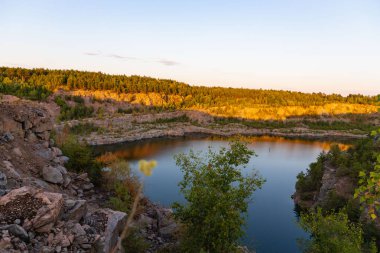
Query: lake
x,y
272,222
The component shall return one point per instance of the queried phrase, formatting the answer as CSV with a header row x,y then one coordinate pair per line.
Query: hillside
x,y
168,94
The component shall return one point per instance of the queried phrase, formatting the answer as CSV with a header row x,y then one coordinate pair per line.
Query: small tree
x,y
217,195
333,233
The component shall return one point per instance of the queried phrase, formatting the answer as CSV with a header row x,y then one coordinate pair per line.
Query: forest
x,y
38,84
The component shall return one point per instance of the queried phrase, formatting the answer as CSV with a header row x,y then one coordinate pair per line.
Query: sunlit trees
x,y
266,103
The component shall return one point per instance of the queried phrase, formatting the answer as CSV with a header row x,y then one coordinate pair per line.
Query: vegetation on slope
x,y
245,103
355,170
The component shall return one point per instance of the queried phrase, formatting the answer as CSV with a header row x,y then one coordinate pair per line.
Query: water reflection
x,y
148,148
272,221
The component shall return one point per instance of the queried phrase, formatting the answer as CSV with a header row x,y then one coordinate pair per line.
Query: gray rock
x,y
116,222
56,151
43,135
52,175
78,230
7,137
18,231
3,180
88,186
64,159
168,231
45,153
75,209
10,170
31,137
3,192
66,180
62,169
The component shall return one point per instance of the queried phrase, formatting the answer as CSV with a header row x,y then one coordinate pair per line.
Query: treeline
x,y
20,81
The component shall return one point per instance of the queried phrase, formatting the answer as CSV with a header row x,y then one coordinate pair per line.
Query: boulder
x,y
18,231
115,224
56,151
44,153
49,213
10,171
52,175
62,169
37,208
74,210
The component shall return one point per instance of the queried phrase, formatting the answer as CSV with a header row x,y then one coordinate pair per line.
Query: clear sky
x,y
306,45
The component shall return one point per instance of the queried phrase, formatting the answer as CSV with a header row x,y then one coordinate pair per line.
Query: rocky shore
x,y
138,127
46,208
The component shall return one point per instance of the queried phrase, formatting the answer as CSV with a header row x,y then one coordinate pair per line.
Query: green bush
x,y
135,243
78,111
217,195
84,128
333,233
81,157
311,181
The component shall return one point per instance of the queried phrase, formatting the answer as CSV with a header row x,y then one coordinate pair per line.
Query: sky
x,y
330,46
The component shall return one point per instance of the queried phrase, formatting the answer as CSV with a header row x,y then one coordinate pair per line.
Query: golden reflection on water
x,y
145,149
324,145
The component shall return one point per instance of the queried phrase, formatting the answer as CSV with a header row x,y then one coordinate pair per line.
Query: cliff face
x,y
43,207
332,186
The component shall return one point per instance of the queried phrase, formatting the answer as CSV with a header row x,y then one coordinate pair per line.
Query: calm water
x,y
271,224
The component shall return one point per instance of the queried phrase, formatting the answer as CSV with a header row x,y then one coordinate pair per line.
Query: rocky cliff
x,y
332,186
43,207
46,208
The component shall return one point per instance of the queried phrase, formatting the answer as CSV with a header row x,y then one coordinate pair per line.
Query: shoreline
x,y
104,139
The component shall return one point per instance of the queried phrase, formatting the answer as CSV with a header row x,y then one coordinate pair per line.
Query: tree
x,y
217,195
333,233
368,190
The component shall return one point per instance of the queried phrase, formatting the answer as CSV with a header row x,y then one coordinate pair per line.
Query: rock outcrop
x,y
43,207
331,185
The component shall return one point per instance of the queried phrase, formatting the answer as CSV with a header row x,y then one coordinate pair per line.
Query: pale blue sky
x,y
306,45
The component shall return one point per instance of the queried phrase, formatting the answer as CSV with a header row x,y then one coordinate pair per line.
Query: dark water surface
x,y
271,224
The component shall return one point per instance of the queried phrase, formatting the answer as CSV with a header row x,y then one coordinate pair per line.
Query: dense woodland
x,y
37,83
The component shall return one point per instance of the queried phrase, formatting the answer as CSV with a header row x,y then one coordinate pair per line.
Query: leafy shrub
x,y
311,181
123,183
81,157
135,243
334,202
84,128
78,111
333,233
217,195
